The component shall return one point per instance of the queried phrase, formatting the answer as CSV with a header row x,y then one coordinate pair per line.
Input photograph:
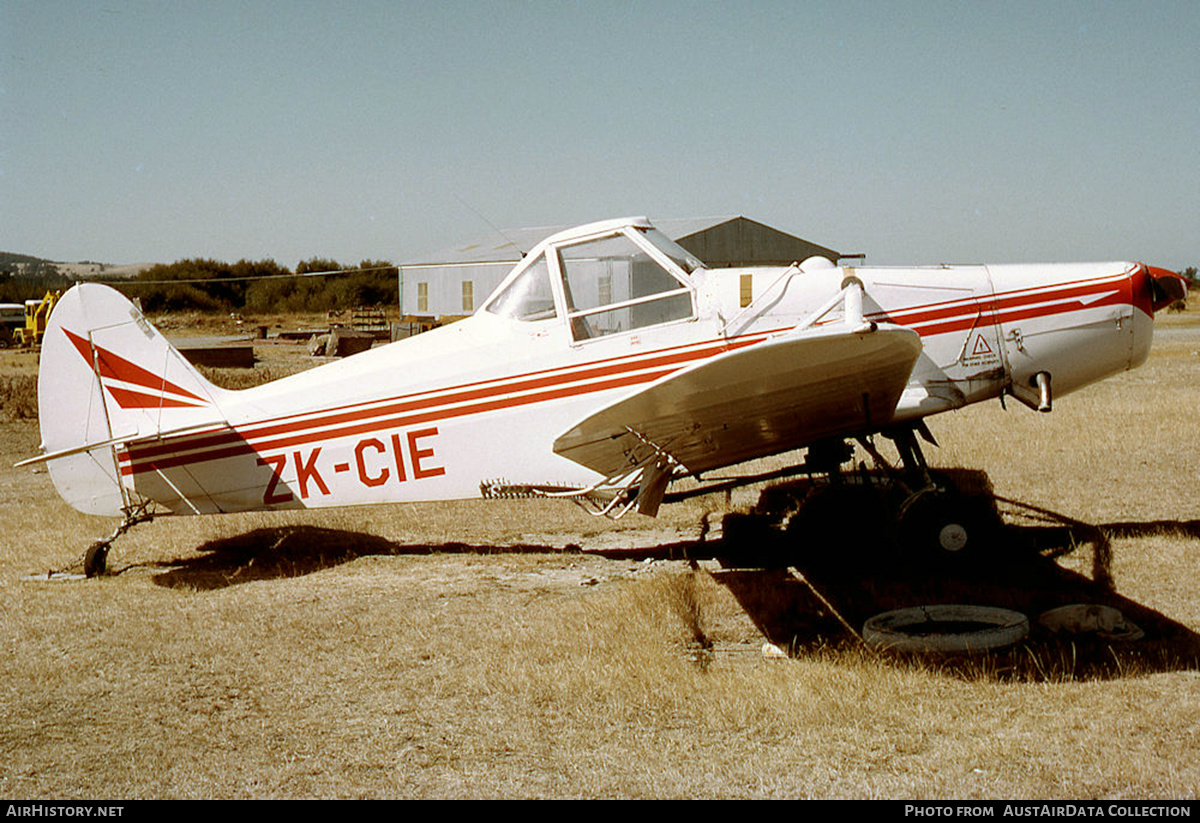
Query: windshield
x,y
678,254
528,298
612,285
606,285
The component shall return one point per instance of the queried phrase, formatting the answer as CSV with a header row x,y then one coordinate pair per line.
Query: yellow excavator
x,y
37,313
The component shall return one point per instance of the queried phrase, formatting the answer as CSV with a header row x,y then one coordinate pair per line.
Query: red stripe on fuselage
x,y
467,393
1007,307
965,311
141,464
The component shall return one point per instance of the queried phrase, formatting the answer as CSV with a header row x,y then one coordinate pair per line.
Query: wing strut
x,y
643,484
849,296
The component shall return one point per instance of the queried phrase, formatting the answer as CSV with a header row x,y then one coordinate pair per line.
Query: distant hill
x,y
24,277
24,265
18,263
87,270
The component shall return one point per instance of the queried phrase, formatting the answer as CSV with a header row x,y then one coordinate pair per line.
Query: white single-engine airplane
x,y
609,363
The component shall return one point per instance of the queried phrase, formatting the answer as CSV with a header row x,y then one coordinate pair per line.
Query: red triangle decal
x,y
981,346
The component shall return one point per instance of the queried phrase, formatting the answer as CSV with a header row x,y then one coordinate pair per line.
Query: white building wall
x,y
445,287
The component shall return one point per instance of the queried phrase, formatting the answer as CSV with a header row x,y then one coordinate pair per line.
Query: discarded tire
x,y
945,628
1104,622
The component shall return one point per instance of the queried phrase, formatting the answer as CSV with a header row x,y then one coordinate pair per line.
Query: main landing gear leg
x,y
916,470
932,519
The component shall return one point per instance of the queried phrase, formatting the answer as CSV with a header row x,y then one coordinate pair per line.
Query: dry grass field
x,y
471,650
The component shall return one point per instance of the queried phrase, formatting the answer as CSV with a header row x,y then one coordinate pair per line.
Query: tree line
x,y
261,286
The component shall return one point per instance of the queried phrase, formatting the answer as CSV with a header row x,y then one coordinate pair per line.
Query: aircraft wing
x,y
777,395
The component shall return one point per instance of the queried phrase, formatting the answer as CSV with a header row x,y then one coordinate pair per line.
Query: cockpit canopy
x,y
603,279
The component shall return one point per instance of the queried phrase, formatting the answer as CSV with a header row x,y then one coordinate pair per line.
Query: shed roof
x,y
718,241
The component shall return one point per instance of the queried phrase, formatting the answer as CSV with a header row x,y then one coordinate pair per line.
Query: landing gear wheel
x,y
937,523
953,537
95,559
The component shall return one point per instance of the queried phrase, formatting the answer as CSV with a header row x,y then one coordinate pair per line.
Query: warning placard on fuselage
x,y
979,351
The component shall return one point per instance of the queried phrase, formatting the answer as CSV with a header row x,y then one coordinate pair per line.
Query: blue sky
x,y
917,132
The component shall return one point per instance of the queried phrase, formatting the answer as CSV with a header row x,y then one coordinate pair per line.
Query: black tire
x,y
95,560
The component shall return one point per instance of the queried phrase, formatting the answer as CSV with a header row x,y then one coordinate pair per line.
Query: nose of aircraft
x,y
1153,289
1165,287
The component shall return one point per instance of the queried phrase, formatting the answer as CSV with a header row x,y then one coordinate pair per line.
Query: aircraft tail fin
x,y
107,378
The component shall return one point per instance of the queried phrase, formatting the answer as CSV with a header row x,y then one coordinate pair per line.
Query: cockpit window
x,y
612,285
529,298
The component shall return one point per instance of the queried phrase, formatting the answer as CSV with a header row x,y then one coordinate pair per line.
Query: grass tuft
x,y
18,397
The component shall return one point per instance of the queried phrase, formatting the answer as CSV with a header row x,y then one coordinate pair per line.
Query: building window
x,y
423,297
747,284
468,294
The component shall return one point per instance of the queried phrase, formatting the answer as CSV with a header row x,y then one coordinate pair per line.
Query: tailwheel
x,y
95,559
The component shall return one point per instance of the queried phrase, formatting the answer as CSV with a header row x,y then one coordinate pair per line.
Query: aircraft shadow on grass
x,y
816,595
824,598
294,551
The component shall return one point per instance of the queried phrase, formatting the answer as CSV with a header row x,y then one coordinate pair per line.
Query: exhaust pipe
x,y
1037,395
1045,400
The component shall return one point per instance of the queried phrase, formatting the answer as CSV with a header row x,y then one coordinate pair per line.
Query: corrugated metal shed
x,y
739,241
456,281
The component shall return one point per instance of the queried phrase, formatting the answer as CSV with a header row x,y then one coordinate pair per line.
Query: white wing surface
x,y
777,395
